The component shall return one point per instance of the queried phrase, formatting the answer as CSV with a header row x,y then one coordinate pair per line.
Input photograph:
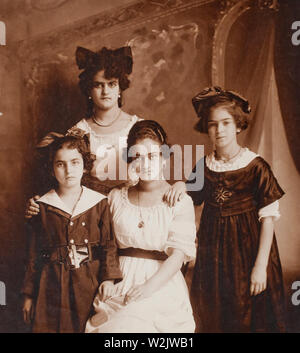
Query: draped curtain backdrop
x,y
287,71
271,83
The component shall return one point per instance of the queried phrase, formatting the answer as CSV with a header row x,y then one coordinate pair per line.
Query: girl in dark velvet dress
x,y
237,284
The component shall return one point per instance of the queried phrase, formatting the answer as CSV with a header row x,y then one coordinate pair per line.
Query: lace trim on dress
x,y
125,198
245,157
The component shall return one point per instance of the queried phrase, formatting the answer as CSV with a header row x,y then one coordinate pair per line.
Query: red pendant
x,y
141,224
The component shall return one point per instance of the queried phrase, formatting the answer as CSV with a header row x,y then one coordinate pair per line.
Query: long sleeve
x,y
32,267
110,268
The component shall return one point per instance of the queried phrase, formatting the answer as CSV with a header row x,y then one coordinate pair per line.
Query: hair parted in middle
x,y
146,129
115,64
215,97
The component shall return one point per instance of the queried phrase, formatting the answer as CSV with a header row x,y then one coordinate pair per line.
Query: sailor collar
x,y
88,199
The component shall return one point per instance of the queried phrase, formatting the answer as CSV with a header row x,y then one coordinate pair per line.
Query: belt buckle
x,y
77,255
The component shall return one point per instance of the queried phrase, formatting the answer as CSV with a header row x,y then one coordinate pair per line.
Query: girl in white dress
x,y
154,241
102,82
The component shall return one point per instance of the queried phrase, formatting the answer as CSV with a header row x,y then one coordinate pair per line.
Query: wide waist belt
x,y
142,253
231,208
72,256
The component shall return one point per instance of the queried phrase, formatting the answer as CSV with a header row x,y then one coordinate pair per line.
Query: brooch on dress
x,y
221,194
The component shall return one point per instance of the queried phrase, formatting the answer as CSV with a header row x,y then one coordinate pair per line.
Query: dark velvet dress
x,y
63,289
228,242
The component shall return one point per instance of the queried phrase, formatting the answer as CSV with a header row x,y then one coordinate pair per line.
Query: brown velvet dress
x,y
63,294
228,241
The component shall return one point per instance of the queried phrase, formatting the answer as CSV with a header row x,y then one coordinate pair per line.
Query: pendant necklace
x,y
109,124
141,222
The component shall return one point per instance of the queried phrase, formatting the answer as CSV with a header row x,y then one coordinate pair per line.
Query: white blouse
x,y
168,309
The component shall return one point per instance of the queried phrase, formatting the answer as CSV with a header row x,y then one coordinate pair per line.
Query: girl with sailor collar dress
x,y
72,247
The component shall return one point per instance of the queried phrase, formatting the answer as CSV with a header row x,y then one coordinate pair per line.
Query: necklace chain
x,y
229,159
141,222
106,125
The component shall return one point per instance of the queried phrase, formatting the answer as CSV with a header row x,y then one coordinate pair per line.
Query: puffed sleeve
x,y
195,183
110,268
32,262
182,231
266,188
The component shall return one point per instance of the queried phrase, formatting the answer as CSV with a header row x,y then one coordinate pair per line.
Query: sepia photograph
x,y
150,168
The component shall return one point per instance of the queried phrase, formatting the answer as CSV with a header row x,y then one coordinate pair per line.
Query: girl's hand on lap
x,y
175,193
106,290
258,279
137,293
118,289
32,208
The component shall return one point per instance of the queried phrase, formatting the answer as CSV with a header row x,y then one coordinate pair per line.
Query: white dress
x,y
169,308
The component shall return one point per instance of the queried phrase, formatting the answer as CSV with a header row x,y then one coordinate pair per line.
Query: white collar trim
x,y
88,199
241,161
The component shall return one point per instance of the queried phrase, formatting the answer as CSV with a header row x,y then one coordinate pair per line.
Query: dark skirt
x,y
220,291
65,298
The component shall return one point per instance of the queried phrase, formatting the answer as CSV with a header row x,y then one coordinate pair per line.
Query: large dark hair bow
x,y
73,132
203,98
86,58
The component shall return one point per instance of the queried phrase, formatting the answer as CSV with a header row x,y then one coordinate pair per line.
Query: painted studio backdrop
x,y
179,47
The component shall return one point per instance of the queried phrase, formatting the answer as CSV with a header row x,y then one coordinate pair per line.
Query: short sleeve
x,y
195,183
272,210
182,231
267,189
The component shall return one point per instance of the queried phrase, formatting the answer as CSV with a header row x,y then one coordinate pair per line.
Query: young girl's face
x,y
147,159
68,167
222,128
105,92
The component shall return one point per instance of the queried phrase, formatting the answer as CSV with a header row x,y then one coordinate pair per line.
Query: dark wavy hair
x,y
147,129
70,142
231,105
113,67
